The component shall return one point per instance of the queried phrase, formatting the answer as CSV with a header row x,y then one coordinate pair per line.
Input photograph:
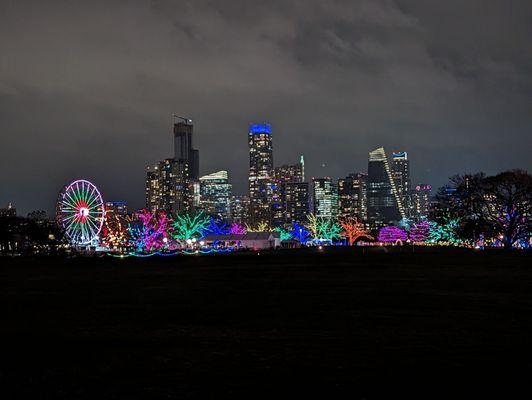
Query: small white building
x,y
252,240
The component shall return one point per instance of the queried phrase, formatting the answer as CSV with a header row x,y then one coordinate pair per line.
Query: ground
x,y
293,324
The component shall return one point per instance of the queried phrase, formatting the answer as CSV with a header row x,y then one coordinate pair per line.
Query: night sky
x,y
87,88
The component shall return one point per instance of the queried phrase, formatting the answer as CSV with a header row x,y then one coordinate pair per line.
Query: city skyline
x,y
335,81
249,199
177,144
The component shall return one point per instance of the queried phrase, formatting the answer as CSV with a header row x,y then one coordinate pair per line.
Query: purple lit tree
x,y
237,229
392,234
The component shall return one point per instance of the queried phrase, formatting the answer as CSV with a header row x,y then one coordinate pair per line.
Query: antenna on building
x,y
302,162
184,119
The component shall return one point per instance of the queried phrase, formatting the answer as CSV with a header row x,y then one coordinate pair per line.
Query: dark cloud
x,y
87,88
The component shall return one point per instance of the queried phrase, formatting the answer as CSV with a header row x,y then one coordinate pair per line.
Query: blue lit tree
x,y
215,228
300,233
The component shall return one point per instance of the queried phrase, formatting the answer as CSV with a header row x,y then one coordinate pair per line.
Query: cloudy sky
x,y
87,88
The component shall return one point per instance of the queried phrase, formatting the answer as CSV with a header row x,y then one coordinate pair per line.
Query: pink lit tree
x,y
237,229
150,231
420,231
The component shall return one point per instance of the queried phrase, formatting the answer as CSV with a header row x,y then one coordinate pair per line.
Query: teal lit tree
x,y
187,227
444,233
323,229
284,234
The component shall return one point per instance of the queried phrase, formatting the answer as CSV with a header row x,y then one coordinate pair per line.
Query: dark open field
x,y
294,324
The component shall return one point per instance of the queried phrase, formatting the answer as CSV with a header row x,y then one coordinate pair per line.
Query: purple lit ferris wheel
x,y
80,212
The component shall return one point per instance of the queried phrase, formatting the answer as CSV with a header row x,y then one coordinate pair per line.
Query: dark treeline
x,y
33,234
488,206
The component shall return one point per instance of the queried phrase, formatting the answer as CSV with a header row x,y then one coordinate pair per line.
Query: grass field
x,y
374,324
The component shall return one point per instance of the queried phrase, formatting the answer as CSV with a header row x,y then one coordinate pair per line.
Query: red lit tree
x,y
353,229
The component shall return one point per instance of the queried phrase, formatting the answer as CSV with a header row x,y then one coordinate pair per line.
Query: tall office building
x,y
184,151
215,195
295,203
290,174
352,200
260,173
384,205
168,187
170,183
239,209
421,201
401,177
324,198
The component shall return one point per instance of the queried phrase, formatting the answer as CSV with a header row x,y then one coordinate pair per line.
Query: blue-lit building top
x,y
260,128
400,155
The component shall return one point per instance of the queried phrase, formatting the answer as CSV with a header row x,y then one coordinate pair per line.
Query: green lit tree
x,y
323,228
285,235
188,227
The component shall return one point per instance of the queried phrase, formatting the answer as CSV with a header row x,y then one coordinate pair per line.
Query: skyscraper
x,y
295,199
260,173
352,200
168,187
384,205
215,195
290,172
240,209
401,177
324,197
170,183
288,175
421,201
183,146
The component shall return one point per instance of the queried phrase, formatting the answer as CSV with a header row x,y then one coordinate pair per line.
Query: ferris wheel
x,y
80,212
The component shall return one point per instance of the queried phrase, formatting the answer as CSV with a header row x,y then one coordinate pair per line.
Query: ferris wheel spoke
x,y
69,210
96,199
91,195
85,195
81,192
69,217
91,202
71,225
92,224
73,201
75,191
84,234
